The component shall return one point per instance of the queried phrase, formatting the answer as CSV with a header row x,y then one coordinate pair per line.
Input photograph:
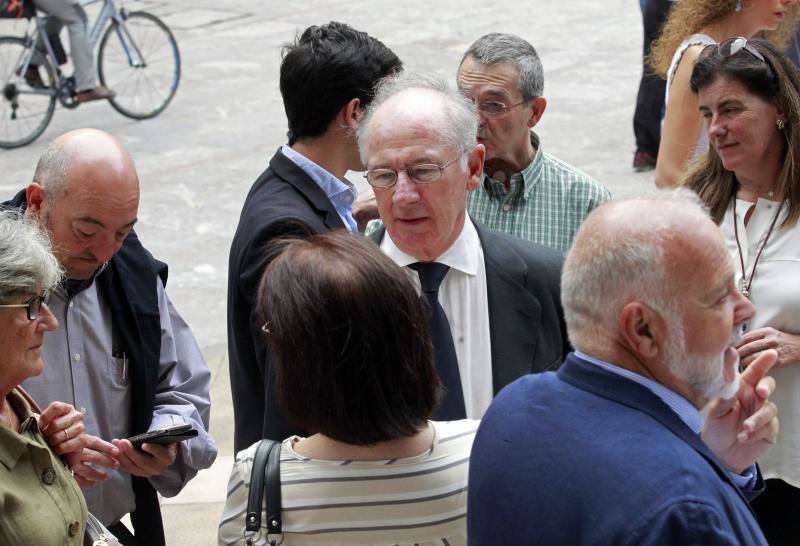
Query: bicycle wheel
x,y
140,61
25,108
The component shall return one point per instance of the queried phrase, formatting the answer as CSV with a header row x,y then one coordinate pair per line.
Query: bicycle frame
x,y
144,87
109,12
30,42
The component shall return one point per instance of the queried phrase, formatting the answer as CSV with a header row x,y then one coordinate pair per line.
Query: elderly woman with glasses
x,y
691,25
348,338
749,95
40,502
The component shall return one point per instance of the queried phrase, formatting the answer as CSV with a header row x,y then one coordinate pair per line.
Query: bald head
x,y
649,286
80,149
632,250
417,121
86,193
425,101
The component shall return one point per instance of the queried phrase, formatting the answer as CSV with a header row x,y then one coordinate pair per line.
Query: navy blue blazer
x,y
584,456
283,201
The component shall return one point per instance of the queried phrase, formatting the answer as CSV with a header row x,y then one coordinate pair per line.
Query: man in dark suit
x,y
326,80
493,298
613,449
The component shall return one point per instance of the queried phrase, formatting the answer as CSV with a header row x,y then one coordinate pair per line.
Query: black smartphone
x,y
166,435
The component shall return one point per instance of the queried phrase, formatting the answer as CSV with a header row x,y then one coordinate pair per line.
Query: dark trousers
x,y
650,99
778,513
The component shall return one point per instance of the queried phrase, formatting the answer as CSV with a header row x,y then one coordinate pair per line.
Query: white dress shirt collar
x,y
463,295
463,254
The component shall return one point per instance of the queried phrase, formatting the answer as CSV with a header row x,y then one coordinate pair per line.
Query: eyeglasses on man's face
x,y
494,109
424,173
34,305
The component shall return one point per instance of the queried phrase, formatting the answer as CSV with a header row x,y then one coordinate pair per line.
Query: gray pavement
x,y
198,159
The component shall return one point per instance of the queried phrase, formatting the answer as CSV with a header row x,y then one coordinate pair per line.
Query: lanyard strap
x,y
747,283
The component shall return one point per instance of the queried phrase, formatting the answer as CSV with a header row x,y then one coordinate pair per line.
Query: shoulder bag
x,y
266,471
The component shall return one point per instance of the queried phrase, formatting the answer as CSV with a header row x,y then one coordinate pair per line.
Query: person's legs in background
x,y
73,16
52,28
777,512
650,99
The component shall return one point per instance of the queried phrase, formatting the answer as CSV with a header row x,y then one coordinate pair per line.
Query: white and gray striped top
x,y
418,500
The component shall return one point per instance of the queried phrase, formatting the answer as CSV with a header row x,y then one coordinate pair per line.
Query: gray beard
x,y
704,374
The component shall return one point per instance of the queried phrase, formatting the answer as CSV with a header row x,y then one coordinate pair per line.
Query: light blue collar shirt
x,y
677,403
341,192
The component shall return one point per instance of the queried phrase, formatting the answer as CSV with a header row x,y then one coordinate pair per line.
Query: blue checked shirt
x,y
546,202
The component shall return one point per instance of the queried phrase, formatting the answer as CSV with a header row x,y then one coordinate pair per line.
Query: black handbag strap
x,y
266,471
272,477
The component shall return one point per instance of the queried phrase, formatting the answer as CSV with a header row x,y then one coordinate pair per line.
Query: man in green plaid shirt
x,y
525,192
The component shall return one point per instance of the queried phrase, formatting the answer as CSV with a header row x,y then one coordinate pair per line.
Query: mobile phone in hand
x,y
167,435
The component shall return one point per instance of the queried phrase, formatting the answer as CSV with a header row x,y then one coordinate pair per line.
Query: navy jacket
x,y
584,456
283,201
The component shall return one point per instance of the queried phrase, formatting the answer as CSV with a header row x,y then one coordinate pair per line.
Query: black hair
x,y
326,67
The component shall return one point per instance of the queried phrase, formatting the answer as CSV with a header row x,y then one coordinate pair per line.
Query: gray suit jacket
x,y
526,322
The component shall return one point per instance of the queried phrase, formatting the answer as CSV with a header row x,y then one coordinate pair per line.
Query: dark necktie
x,y
451,407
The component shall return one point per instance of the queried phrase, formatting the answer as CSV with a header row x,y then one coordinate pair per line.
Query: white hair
x,y
460,115
27,263
618,257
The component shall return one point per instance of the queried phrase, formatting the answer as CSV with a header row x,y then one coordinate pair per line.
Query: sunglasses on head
x,y
731,47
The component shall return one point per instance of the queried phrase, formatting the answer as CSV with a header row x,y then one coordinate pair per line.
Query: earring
x,y
781,124
738,7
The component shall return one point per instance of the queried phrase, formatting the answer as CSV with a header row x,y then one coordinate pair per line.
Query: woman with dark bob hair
x,y
347,333
749,94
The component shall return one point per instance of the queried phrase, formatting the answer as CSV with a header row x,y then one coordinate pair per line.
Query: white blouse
x,y
775,292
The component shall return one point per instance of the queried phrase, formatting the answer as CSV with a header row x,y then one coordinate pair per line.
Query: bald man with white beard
x,y
613,448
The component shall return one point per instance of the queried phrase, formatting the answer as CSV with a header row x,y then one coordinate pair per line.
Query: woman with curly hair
x,y
692,25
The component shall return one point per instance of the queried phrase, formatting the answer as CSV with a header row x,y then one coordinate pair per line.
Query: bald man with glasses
x,y
493,299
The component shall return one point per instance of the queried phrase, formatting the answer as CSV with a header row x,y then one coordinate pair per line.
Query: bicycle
x,y
137,57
